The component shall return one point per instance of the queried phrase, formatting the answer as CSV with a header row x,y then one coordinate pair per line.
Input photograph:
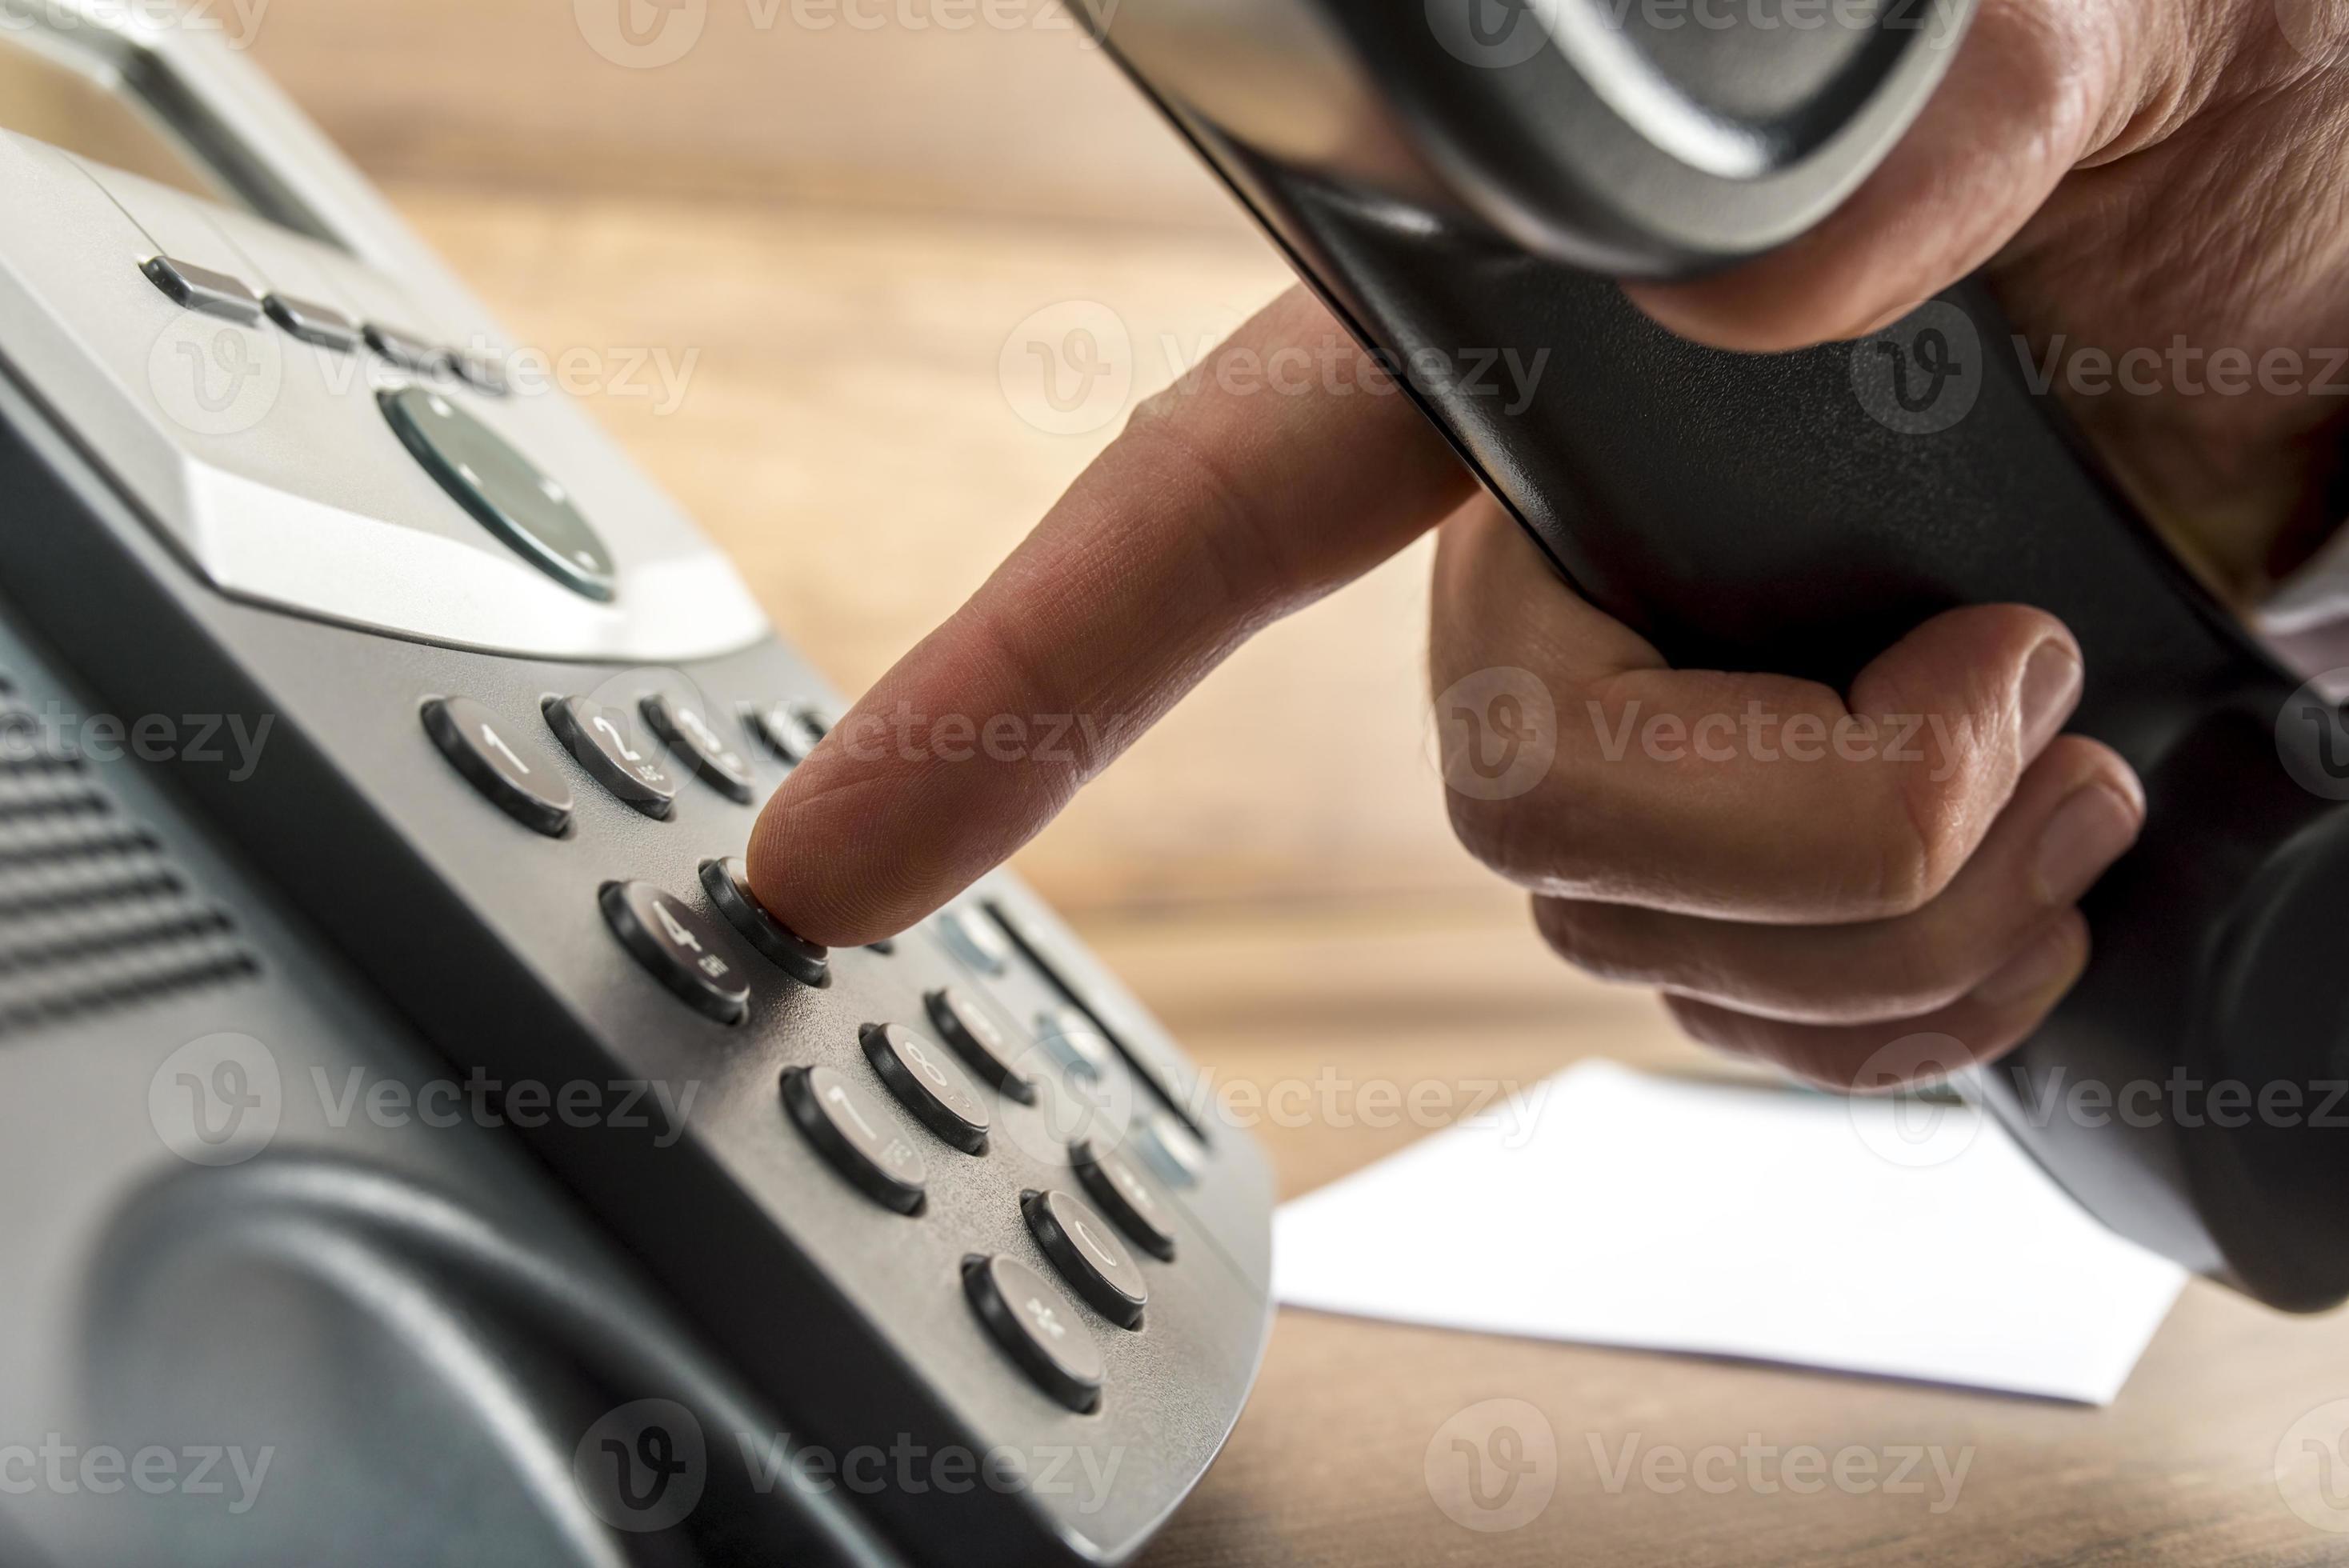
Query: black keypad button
x,y
1126,1197
854,1130
980,1041
682,949
191,287
1088,1257
920,1072
729,886
690,733
519,778
606,743
1037,1328
312,323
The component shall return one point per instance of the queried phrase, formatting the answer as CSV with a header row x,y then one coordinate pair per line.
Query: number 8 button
x,y
922,1074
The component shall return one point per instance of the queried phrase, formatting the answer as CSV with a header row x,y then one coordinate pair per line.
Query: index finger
x,y
1227,502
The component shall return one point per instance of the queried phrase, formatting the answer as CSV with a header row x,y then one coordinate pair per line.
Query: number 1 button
x,y
512,774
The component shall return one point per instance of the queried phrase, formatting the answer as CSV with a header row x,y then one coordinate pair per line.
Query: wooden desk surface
x,y
841,226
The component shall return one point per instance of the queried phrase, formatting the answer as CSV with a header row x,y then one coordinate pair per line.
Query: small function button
x,y
976,940
1126,1197
922,1076
1037,1328
322,325
1076,1042
686,730
1170,1149
191,287
483,372
681,948
856,1132
514,775
406,350
785,730
1079,1243
727,882
606,742
980,1041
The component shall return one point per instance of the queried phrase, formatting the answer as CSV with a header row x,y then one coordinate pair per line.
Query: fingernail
x,y
2088,833
2051,690
2047,966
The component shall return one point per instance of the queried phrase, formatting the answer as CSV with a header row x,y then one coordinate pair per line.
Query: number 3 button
x,y
683,950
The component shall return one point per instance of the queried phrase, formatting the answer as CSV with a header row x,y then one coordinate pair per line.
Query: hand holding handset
x,y
1474,161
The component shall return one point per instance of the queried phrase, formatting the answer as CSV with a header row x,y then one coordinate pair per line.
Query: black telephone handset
x,y
1473,173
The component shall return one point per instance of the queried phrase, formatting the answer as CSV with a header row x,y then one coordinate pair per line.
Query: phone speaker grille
x,y
94,913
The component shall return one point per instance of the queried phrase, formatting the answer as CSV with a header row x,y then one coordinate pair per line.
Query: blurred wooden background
x,y
842,210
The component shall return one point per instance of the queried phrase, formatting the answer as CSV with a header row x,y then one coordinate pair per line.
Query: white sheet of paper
x,y
1896,1238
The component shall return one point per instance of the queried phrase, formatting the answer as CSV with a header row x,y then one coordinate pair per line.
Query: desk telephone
x,y
425,1150
924,1253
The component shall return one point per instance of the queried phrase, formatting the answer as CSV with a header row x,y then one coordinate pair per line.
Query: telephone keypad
x,y
606,742
1037,1328
862,1137
683,950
